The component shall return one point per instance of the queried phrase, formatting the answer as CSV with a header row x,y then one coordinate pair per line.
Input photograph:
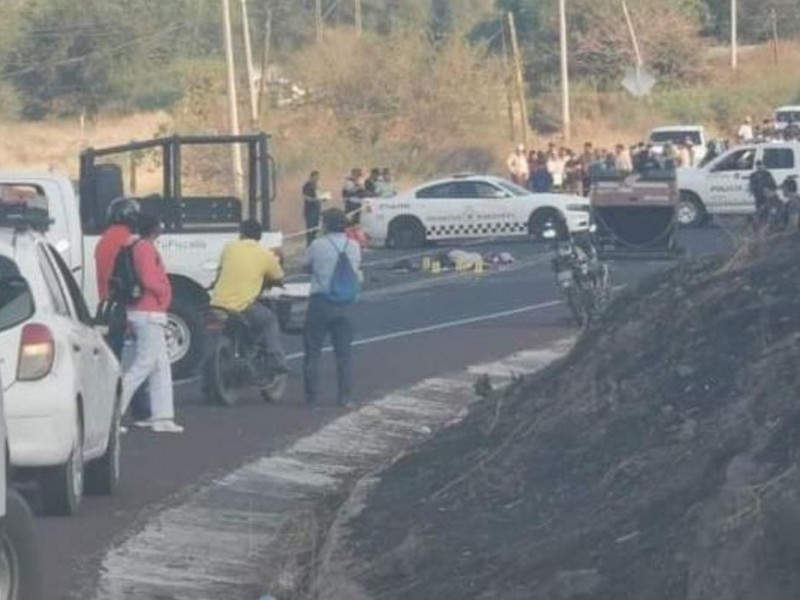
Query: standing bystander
x,y
123,214
334,262
148,320
312,206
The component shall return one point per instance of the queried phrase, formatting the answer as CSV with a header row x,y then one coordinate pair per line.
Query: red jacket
x,y
105,254
156,288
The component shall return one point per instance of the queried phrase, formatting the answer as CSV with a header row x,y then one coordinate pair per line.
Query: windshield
x,y
788,116
676,136
513,188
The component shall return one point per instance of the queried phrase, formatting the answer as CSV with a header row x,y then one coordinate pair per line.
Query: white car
x,y
20,576
468,206
60,380
677,134
786,115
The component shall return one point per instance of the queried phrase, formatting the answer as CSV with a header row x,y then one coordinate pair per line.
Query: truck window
x,y
739,160
30,195
676,136
779,158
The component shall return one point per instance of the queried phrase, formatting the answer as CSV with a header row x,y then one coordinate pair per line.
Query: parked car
x,y
677,134
62,383
722,187
787,115
19,556
468,206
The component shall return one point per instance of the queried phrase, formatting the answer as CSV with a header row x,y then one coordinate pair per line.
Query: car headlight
x,y
579,208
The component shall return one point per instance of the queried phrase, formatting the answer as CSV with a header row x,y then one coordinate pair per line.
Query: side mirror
x,y
16,301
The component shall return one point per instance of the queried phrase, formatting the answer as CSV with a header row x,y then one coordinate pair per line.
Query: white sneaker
x,y
123,429
167,426
144,424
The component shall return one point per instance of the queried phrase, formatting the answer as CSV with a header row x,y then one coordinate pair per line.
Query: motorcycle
x,y
236,362
583,280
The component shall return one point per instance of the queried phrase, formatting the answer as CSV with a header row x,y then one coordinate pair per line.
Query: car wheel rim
x,y
9,571
687,213
179,338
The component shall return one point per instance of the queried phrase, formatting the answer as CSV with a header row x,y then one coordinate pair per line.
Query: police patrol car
x,y
467,206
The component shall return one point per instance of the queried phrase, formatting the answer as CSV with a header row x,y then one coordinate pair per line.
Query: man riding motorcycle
x,y
245,268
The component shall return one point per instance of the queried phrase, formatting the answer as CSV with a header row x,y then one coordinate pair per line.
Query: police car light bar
x,y
21,217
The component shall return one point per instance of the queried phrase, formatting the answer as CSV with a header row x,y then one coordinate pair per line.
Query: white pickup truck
x,y
196,228
722,187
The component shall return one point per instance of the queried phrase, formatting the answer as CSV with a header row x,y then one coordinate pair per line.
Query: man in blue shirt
x,y
326,316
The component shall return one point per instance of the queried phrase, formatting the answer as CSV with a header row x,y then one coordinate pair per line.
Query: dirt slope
x,y
659,461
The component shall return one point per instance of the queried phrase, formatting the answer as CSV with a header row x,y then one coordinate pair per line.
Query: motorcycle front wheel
x,y
220,383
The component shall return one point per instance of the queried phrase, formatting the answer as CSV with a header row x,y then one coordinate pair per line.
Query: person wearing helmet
x,y
122,217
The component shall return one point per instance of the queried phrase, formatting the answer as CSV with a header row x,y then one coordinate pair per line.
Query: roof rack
x,y
21,217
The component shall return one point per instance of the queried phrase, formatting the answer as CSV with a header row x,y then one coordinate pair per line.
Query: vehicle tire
x,y
540,220
690,212
406,232
186,337
275,389
62,486
102,474
219,376
20,575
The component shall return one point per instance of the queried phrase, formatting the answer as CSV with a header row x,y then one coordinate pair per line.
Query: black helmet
x,y
123,211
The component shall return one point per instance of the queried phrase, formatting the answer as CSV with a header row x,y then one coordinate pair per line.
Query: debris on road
x,y
658,461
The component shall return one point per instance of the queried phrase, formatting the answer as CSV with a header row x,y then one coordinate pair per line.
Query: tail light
x,y
215,320
37,351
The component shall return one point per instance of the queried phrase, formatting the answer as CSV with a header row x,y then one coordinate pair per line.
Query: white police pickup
x,y
468,206
722,187
197,227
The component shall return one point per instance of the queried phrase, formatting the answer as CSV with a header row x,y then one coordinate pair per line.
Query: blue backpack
x,y
345,284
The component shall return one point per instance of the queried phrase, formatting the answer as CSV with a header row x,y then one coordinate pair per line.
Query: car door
x,y
441,208
781,162
495,209
728,184
76,340
103,365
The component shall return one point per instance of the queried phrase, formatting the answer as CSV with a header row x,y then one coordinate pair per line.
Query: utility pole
x,y
734,36
519,78
262,87
318,19
236,150
359,22
251,75
507,80
634,40
774,15
565,104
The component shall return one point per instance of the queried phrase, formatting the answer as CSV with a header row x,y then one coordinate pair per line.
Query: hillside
x,y
657,462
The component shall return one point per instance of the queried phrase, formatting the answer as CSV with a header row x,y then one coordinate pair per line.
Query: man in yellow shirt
x,y
245,267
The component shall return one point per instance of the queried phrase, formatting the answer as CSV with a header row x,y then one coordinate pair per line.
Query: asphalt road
x,y
410,326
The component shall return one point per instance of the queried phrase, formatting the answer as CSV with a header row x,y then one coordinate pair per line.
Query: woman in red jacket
x,y
147,318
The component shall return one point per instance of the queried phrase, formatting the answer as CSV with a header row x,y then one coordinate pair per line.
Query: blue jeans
x,y
326,318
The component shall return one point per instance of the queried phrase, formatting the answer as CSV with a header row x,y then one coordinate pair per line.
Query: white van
x,y
787,115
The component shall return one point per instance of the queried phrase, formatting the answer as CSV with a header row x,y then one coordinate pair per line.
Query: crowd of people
x,y
378,184
559,168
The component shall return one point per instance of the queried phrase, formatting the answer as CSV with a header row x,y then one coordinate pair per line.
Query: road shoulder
x,y
266,528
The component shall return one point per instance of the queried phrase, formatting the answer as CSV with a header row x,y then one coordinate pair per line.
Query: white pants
x,y
147,360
